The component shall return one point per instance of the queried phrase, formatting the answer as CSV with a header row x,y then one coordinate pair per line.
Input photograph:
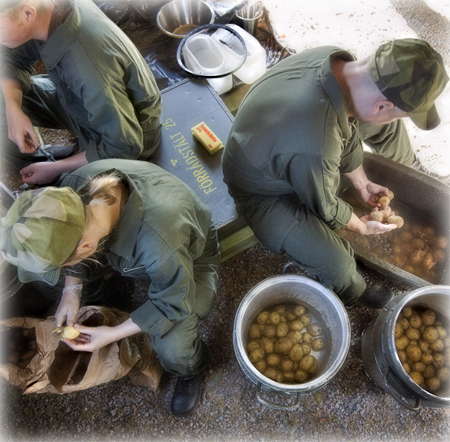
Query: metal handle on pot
x,y
273,405
397,397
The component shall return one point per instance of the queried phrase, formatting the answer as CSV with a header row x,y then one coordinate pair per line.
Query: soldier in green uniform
x,y
170,241
97,85
302,125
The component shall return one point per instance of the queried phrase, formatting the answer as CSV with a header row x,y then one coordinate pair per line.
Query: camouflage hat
x,y
411,74
7,4
40,231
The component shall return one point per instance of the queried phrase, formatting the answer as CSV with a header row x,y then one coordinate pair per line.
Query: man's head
x,y
40,231
410,74
24,20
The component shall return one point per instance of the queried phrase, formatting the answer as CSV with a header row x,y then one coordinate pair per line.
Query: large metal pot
x,y
379,354
323,305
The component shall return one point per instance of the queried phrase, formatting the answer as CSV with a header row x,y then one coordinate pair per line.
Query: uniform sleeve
x,y
316,180
119,122
171,293
17,64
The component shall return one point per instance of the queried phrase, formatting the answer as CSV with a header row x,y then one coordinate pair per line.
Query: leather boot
x,y
186,395
376,296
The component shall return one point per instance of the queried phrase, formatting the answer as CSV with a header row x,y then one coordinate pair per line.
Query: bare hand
x,y
21,130
371,192
375,227
40,173
91,338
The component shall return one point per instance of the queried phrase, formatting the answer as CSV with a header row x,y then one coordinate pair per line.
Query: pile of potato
x,y
421,251
19,346
423,347
280,343
384,213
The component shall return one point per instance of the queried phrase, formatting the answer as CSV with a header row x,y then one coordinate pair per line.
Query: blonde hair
x,y
107,187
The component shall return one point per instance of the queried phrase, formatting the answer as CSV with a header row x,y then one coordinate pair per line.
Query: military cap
x,y
7,4
411,74
40,231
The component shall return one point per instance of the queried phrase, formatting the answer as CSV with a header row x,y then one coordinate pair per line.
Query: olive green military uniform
x,y
289,143
97,86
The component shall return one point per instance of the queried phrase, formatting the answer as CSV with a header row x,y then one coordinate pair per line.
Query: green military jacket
x,y
292,135
162,235
101,80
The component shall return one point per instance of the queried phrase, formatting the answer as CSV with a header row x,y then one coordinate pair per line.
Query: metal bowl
x,y
179,17
322,304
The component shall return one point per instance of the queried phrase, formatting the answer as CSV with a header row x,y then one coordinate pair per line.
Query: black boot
x,y
376,296
186,395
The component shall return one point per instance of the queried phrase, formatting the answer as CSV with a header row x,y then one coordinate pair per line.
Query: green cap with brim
x,y
40,231
411,74
7,4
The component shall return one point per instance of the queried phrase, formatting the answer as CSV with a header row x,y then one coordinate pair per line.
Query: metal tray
x,y
413,189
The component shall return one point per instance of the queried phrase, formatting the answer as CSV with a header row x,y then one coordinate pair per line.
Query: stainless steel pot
x,y
381,362
323,305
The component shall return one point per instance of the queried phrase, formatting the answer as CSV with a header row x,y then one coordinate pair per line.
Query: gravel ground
x,y
350,406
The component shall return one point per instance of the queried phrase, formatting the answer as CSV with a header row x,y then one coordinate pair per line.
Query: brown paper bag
x,y
56,368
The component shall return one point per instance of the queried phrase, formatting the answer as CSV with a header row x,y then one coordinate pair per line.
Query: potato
x,y
428,317
443,374
417,378
263,317
407,312
282,329
286,365
273,360
384,200
430,334
407,367
437,345
290,315
429,372
301,376
267,345
281,309
376,215
442,333
307,338
270,331
254,331
402,342
256,355
415,321
297,324
318,344
433,384
299,310
440,256
419,366
397,220
308,364
306,319
283,346
398,331
306,348
447,356
414,352
413,334
260,365
274,318
403,322
252,345
424,345
402,355
441,242
295,336
314,329
438,360
271,373
296,353
289,377
429,261
426,358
